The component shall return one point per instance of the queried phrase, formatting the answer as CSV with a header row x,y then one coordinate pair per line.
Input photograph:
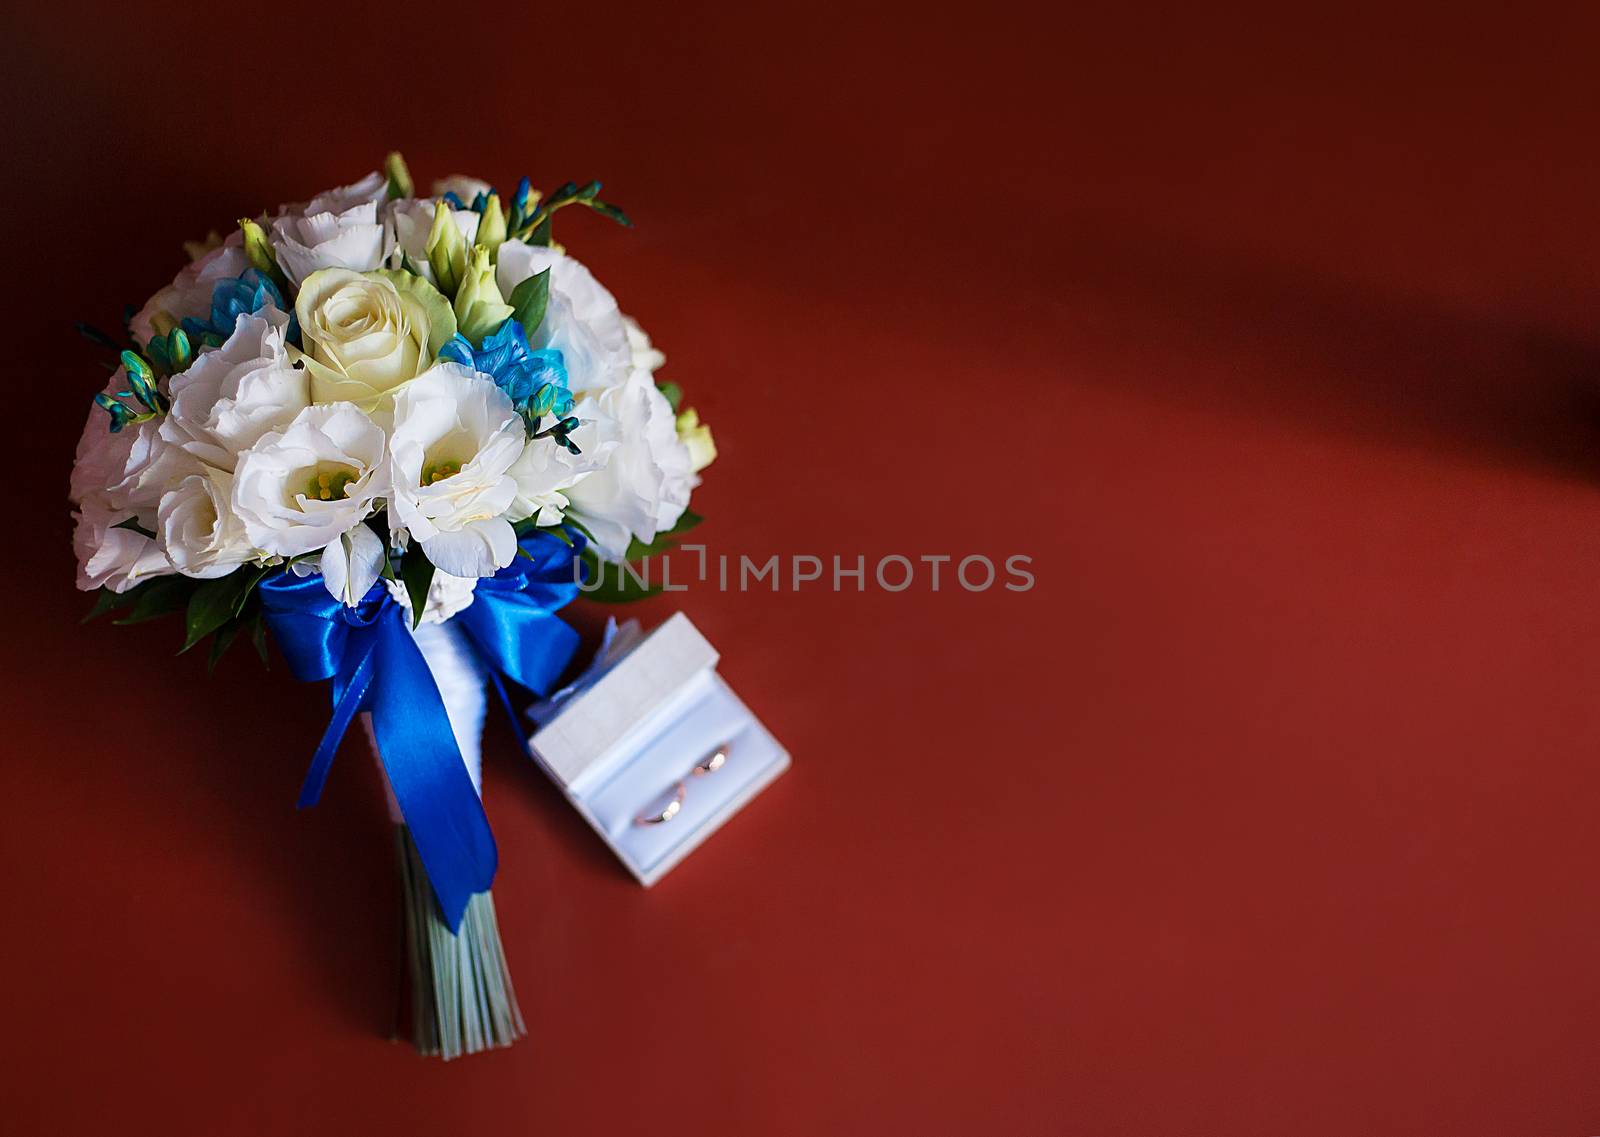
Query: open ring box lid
x,y
636,724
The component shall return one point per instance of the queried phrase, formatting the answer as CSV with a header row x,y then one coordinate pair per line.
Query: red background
x,y
1270,338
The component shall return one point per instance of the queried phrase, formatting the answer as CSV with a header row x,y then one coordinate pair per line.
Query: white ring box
x,y
618,745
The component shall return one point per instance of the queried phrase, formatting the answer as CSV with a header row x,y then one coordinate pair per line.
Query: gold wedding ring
x,y
669,811
710,764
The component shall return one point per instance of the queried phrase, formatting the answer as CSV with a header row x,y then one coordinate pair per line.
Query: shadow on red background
x,y
1269,336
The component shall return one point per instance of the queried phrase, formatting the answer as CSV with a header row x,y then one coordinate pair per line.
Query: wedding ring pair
x,y
710,764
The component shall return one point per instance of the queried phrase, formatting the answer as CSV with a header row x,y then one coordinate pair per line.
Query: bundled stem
x,y
462,1000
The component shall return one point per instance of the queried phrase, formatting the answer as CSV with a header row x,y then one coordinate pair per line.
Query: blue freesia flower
x,y
242,295
536,381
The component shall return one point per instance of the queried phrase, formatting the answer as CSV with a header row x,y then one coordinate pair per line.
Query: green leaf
x,y
531,525
672,393
417,571
156,598
258,637
221,642
529,301
132,523
664,540
687,520
540,234
106,601
217,601
616,584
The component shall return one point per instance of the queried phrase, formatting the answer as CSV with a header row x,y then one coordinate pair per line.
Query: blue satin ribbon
x,y
512,619
375,665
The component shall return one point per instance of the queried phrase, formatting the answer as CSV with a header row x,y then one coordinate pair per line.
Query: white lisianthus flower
x,y
110,556
338,229
301,489
454,441
545,470
644,486
117,480
230,397
190,292
352,564
462,186
366,334
197,529
583,321
125,470
643,353
410,220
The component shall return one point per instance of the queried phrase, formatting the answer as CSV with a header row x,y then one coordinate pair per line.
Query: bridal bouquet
x,y
395,433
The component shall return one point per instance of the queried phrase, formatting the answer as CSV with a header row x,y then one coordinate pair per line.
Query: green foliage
x,y
529,300
155,598
416,570
666,539
222,607
132,525
218,603
611,583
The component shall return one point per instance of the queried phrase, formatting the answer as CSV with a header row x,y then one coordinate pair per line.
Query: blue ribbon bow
x,y
376,666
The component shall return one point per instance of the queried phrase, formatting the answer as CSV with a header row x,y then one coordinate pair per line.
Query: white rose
x,y
410,220
455,438
197,528
645,483
230,397
337,229
582,320
190,292
365,334
299,490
